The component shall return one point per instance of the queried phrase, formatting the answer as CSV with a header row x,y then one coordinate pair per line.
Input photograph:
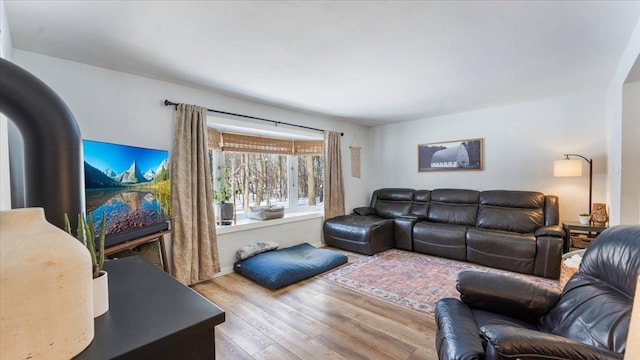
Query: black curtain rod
x,y
171,103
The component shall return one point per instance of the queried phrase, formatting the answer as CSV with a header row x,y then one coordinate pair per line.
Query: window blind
x,y
214,139
259,144
308,147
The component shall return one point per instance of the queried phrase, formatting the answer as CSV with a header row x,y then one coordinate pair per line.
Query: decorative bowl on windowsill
x,y
584,219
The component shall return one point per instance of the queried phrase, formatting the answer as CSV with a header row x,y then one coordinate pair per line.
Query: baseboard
x,y
224,271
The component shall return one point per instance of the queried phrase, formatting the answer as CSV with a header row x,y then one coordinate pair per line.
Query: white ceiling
x,y
369,62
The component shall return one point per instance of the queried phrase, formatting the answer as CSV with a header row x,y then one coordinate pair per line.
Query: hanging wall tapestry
x,y
451,155
355,158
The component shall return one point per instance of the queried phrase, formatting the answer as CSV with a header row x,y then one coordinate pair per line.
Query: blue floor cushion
x,y
279,268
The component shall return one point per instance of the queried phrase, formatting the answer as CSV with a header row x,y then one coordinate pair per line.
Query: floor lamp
x,y
568,167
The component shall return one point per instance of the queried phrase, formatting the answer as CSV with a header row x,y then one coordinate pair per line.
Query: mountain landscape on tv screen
x,y
130,185
107,178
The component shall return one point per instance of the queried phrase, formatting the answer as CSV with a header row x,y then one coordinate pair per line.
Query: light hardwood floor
x,y
313,319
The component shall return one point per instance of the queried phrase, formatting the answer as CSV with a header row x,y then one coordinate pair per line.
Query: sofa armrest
x,y
505,295
403,232
553,230
509,342
364,210
457,333
548,256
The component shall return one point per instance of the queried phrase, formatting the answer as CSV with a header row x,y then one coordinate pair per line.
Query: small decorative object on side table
x,y
579,236
584,218
599,214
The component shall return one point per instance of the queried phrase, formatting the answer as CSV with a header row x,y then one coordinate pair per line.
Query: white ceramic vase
x,y
584,220
46,295
100,294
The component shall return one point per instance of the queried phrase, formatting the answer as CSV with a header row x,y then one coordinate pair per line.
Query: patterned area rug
x,y
412,280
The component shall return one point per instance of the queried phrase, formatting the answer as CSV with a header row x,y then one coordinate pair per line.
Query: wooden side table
x,y
580,236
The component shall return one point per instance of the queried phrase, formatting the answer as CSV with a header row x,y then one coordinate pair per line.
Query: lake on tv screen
x,y
125,209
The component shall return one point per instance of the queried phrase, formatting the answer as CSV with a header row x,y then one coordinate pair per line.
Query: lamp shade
x,y
567,167
633,339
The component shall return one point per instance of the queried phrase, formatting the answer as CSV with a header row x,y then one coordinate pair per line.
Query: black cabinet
x,y
152,316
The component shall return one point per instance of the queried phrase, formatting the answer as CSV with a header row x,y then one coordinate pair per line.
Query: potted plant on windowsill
x,y
223,194
87,236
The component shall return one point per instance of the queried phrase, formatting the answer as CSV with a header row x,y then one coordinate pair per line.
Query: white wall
x,y
613,116
521,143
127,109
5,53
630,181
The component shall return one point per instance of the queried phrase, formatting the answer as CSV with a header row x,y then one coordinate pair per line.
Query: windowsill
x,y
248,224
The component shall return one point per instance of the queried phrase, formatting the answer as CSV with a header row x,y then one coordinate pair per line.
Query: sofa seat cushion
x,y
355,226
502,249
444,240
487,318
368,235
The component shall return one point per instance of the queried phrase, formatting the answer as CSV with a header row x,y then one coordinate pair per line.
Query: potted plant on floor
x,y
86,235
223,194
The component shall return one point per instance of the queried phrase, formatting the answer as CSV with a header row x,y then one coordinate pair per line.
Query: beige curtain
x,y
194,244
333,183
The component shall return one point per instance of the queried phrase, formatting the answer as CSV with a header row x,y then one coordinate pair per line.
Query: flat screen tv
x,y
130,185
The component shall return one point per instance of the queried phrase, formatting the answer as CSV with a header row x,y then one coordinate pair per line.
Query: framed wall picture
x,y
451,155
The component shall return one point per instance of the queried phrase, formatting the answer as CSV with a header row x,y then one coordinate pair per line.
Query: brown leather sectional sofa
x,y
512,230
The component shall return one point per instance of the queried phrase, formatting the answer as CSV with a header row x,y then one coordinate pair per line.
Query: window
x,y
310,180
263,171
261,178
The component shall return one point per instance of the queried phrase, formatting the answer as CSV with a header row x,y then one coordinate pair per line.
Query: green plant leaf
x,y
223,193
103,234
91,244
80,231
67,224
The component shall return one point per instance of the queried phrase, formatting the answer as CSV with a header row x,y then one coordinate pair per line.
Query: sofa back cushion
x,y
420,206
517,211
595,305
551,210
614,257
591,312
391,203
453,206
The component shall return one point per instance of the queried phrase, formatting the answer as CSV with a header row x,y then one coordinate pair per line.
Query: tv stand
x,y
128,245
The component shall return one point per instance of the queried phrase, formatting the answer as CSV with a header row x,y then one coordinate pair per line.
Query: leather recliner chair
x,y
499,317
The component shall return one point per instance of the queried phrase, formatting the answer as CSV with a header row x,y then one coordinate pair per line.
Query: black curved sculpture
x,y
53,163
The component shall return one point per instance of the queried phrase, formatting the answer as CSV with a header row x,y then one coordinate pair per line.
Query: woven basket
x,y
566,273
